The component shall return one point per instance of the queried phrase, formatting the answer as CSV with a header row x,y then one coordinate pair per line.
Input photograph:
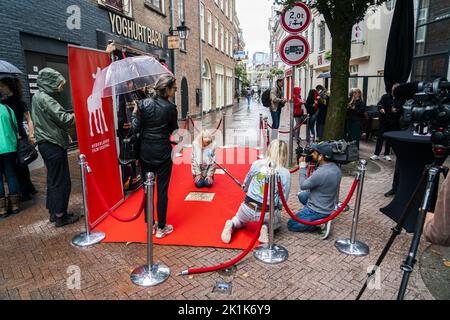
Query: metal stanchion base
x,y
271,254
353,249
187,146
144,277
346,209
86,240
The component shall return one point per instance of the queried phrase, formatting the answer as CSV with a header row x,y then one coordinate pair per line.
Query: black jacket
x,y
156,121
356,114
388,103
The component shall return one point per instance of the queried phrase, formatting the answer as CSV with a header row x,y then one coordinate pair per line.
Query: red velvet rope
x,y
294,170
295,129
243,254
105,205
193,124
321,221
186,123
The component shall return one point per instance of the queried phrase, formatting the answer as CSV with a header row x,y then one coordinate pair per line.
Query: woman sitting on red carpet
x,y
250,209
203,159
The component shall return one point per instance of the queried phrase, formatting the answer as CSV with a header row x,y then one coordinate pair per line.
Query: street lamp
x,y
183,31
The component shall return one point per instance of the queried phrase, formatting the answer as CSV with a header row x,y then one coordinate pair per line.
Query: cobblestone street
x,y
36,259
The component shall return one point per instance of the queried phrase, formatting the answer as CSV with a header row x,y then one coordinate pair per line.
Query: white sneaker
x,y
161,233
155,226
227,231
387,158
264,234
374,157
325,230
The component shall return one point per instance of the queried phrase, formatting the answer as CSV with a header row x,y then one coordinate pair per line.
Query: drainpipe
x,y
173,58
200,55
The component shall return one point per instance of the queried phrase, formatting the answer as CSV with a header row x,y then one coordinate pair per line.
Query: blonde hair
x,y
277,154
161,87
205,133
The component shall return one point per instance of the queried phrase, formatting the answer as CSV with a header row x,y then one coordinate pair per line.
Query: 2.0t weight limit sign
x,y
296,19
294,50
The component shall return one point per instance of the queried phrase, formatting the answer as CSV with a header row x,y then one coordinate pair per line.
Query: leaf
x,y
191,277
128,243
447,263
245,275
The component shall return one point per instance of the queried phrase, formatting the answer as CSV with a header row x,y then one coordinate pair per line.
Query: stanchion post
x,y
265,133
188,128
260,132
150,274
352,246
224,130
291,121
271,253
89,237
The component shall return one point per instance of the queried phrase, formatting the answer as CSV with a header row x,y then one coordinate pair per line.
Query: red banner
x,y
96,133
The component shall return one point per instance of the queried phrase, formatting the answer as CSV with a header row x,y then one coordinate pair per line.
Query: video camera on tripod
x,y
429,111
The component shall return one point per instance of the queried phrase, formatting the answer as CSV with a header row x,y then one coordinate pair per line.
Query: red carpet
x,y
197,224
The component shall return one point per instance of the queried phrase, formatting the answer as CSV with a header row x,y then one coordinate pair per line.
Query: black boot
x,y
3,208
390,193
66,220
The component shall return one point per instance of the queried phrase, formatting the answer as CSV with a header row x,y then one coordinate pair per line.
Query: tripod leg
x,y
395,232
408,265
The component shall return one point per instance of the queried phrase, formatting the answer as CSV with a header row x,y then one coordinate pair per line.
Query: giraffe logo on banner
x,y
95,108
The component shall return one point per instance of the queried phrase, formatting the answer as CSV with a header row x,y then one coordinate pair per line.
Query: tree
x,y
340,17
241,74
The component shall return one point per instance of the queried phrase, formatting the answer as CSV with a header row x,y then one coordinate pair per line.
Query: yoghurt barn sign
x,y
129,29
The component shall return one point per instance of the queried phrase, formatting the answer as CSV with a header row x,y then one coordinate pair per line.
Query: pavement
x,y
37,261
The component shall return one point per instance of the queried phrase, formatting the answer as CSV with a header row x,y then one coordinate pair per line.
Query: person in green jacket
x,y
51,124
8,153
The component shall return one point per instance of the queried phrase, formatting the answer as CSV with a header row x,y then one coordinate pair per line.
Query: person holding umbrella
x,y
156,118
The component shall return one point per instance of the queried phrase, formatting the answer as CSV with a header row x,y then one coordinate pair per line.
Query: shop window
x,y
157,5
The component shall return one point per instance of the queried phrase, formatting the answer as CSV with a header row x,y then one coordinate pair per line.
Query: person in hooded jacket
x,y
298,111
51,124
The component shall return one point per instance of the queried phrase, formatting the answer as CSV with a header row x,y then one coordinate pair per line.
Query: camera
x,y
304,152
429,111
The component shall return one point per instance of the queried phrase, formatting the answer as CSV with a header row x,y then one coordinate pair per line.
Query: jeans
x,y
163,174
249,101
203,183
305,214
58,177
8,168
310,130
276,119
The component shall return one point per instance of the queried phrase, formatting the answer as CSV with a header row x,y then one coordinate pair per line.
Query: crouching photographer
x,y
319,191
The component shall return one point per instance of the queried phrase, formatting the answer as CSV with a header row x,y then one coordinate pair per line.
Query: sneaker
x,y
227,231
264,234
374,157
387,158
155,226
325,230
161,233
66,220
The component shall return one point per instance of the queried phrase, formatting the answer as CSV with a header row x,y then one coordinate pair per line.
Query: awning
x,y
325,75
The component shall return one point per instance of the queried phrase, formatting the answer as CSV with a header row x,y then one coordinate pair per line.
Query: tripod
x,y
430,177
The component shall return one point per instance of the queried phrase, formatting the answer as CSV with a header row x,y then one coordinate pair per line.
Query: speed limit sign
x,y
294,50
297,18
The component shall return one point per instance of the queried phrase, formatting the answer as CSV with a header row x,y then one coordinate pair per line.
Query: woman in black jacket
x,y
12,90
355,115
156,119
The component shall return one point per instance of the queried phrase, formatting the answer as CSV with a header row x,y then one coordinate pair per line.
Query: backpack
x,y
265,98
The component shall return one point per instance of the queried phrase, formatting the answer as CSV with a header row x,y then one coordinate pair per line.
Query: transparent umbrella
x,y
7,68
128,75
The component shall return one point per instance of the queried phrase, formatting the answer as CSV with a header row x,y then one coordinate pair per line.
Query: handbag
x,y
344,152
26,152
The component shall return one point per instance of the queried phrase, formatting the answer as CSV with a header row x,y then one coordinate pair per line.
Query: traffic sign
x,y
294,50
297,18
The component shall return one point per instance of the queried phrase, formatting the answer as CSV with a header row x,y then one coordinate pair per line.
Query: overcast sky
x,y
254,18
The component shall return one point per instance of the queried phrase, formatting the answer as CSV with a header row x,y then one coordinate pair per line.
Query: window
x,y
231,10
322,37
181,20
216,33
202,21
220,86
221,4
312,41
157,5
210,31
122,6
231,45
227,43
226,7
222,38
115,4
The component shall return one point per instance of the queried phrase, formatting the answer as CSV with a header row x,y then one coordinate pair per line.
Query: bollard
x,y
260,132
224,132
150,274
271,253
188,128
352,246
89,237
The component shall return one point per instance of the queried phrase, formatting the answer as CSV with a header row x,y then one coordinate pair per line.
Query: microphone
x,y
406,91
